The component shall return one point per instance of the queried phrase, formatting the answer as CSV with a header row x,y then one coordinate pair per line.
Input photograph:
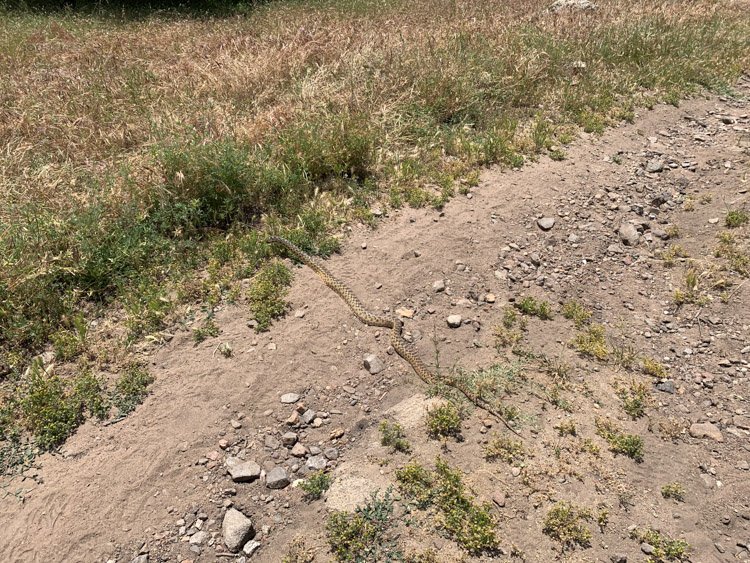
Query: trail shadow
x,y
134,9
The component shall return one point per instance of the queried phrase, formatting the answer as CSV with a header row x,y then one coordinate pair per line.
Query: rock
x,y
406,313
583,5
654,165
198,537
316,462
237,530
331,453
289,439
373,364
308,416
277,478
499,499
706,430
140,559
454,321
298,450
618,558
251,547
628,234
647,548
546,223
438,286
289,398
242,471
490,298
666,386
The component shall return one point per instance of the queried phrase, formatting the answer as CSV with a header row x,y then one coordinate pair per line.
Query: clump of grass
x,y
532,307
566,428
592,342
565,524
590,447
671,254
472,526
511,331
691,293
674,491
634,399
654,369
505,449
89,390
315,485
267,292
208,329
629,445
70,342
131,388
574,311
737,260
736,218
299,552
666,549
393,436
444,421
365,534
673,231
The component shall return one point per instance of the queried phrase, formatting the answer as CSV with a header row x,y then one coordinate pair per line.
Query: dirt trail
x,y
119,490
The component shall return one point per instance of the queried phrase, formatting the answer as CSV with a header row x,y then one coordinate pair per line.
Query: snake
x,y
400,345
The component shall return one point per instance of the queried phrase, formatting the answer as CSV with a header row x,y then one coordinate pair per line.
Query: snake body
x,y
395,325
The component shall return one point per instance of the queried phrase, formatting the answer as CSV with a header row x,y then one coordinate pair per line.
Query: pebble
x,y
546,223
242,471
236,529
251,547
628,234
454,321
308,416
277,478
666,387
406,313
289,398
706,430
438,286
139,559
373,364
647,548
655,165
316,462
289,439
198,537
298,450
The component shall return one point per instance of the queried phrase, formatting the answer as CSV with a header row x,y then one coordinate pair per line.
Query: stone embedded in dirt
x,y
706,430
293,419
308,416
299,313
666,386
336,433
583,5
741,421
289,398
242,471
251,547
316,463
289,439
654,165
198,537
438,286
618,558
140,559
237,530
628,234
499,499
546,223
406,313
373,364
271,443
331,453
454,321
277,478
298,450
647,548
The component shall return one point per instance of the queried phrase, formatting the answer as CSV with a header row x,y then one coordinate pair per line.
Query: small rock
x,y
251,547
236,529
335,435
316,462
720,548
298,450
546,223
373,364
198,537
289,439
618,558
654,165
628,234
713,220
331,453
454,321
242,471
647,548
490,298
140,559
277,478
706,430
308,416
289,398
406,313
666,387
499,499
438,286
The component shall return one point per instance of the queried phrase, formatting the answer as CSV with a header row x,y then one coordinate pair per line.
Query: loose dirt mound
x,y
149,483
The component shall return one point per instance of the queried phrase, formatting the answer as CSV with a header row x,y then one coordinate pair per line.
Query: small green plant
x,y
623,355
602,519
226,350
737,260
315,485
592,342
574,311
736,218
89,390
393,436
444,421
620,443
671,254
504,449
267,292
674,491
590,447
69,343
654,369
565,524
299,552
566,428
506,337
666,549
365,534
509,317
532,307
673,231
634,399
207,330
131,388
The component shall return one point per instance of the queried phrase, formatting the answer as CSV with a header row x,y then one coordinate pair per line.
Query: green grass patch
x,y
592,342
635,397
736,218
565,523
574,311
505,449
666,549
267,292
315,485
629,445
393,436
673,491
444,421
532,307
131,388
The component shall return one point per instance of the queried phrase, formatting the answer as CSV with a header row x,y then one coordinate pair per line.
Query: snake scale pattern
x,y
403,348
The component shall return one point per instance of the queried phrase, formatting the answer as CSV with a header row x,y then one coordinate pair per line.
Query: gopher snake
x,y
395,325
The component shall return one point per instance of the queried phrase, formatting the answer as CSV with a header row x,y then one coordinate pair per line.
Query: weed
x,y
566,428
393,436
298,552
226,350
444,421
592,342
89,390
267,292
504,449
623,355
736,218
654,369
673,231
574,311
620,443
671,254
69,343
365,534
131,388
509,317
565,524
737,260
532,307
505,337
674,491
315,485
207,330
590,447
634,399
665,548
602,519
